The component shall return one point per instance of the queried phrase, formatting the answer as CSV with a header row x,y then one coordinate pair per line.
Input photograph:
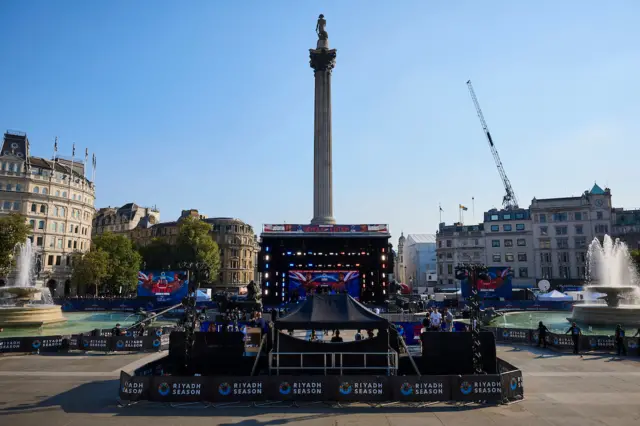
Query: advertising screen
x,y
309,282
165,286
498,286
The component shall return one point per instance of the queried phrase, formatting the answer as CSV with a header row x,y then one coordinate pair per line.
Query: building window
x,y
545,257
59,243
520,227
508,243
507,227
496,257
524,272
449,243
6,205
50,260
563,257
440,269
562,243
18,187
543,218
495,228
494,217
41,224
58,260
521,242
449,269
43,208
544,230
64,194
564,272
598,214
581,242
578,216
579,229
602,229
519,216
508,257
582,272
39,241
9,187
75,244
68,243
34,208
57,193
32,224
560,217
581,256
506,217
16,205
44,191
522,257
547,272
449,255
561,230
495,243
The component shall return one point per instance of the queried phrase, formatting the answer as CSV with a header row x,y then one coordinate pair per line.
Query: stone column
x,y
322,61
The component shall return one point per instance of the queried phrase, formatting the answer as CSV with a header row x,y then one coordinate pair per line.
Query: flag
x,y
55,145
86,154
73,153
463,208
94,161
441,208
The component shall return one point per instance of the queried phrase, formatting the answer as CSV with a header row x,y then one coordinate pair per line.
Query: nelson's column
x,y
322,61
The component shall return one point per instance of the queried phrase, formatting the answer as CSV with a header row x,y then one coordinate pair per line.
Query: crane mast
x,y
509,201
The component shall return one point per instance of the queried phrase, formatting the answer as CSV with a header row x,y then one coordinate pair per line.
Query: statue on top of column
x,y
320,28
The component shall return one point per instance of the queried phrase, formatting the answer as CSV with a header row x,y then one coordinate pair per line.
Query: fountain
x,y
22,304
612,272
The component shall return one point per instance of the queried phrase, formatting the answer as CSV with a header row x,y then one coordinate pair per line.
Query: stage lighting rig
x,y
472,272
197,273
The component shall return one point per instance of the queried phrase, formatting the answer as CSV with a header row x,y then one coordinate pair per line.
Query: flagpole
x,y
440,208
473,208
84,165
55,149
73,154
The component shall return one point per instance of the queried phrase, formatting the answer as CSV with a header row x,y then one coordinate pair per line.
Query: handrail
x,y
392,361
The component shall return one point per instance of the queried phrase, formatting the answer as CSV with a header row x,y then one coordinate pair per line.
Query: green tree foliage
x,y
13,230
89,271
195,244
159,255
123,262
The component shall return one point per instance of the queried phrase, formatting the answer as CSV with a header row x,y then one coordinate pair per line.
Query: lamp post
x,y
196,272
472,272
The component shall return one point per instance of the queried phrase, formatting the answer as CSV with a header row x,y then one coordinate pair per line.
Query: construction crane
x,y
509,201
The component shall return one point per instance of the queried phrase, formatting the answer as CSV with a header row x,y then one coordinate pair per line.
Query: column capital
x,y
322,59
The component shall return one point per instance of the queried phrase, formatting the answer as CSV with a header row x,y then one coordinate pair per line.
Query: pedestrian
x,y
619,337
358,336
448,319
542,335
576,333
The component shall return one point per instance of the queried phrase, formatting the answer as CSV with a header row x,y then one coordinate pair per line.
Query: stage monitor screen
x,y
332,282
497,286
165,286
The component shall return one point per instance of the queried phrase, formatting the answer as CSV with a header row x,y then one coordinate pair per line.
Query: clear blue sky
x,y
209,104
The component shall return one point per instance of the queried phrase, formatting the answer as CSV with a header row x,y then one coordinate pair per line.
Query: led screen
x,y
332,282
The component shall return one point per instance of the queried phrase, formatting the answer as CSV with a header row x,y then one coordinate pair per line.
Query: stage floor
x,y
74,390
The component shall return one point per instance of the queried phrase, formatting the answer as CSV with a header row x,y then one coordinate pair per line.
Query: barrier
x,y
123,305
84,343
564,341
495,388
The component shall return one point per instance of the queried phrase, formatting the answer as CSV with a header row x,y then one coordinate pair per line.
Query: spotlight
x,y
266,275
383,257
266,257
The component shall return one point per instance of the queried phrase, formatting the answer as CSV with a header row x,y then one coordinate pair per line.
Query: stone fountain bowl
x,y
617,289
20,292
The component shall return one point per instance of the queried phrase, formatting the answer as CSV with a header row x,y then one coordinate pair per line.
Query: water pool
x,y
556,322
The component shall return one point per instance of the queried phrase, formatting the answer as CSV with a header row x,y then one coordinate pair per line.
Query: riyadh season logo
x,y
120,344
285,388
156,343
514,383
505,333
593,343
400,330
633,345
164,389
555,340
36,344
159,332
345,388
406,389
466,388
224,389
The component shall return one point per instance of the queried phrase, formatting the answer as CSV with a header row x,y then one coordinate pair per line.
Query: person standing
x,y
576,333
448,319
436,320
358,336
542,335
619,338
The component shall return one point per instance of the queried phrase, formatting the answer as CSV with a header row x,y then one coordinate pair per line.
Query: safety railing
x,y
333,361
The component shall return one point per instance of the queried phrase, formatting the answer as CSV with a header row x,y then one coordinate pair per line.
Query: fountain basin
x,y
30,315
604,315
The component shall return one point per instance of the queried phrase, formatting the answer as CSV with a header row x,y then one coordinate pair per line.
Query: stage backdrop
x,y
164,286
499,285
307,282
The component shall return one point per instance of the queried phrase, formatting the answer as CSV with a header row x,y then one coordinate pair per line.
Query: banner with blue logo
x,y
487,387
497,286
420,389
299,388
179,389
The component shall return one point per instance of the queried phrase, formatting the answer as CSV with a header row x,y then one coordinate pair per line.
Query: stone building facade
x,y
122,220
58,202
457,244
237,242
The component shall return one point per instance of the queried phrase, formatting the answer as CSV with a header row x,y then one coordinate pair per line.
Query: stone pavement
x,y
81,390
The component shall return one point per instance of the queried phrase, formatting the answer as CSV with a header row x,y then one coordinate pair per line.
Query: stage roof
x,y
330,312
378,230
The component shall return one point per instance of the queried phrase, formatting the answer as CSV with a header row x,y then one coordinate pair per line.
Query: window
x,y
598,214
494,217
508,243
562,243
63,212
75,244
41,224
55,211
440,243
440,269
71,227
9,187
53,226
524,272
449,255
582,272
519,215
495,228
52,242
581,257
32,224
57,193
564,272
521,242
16,205
602,229
522,257
506,217
547,272
6,205
581,242
560,217
449,269
68,243
579,230
58,260
520,227
50,260
543,218
545,257
34,208
578,215
448,243
561,230
44,191
18,187
496,257
507,227
43,208
476,242
60,243
495,243
563,256
39,241
508,257
544,230
64,194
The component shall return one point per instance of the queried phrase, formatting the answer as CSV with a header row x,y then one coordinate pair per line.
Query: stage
x,y
297,260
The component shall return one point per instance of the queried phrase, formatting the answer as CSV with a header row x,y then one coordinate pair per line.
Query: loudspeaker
x,y
452,353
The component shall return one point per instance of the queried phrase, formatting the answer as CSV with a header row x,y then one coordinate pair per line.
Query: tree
x,y
158,255
196,245
89,269
13,230
123,262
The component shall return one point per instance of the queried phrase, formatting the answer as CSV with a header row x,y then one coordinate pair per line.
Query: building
x,y
563,228
122,220
456,244
58,202
509,243
420,261
399,265
625,225
236,240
